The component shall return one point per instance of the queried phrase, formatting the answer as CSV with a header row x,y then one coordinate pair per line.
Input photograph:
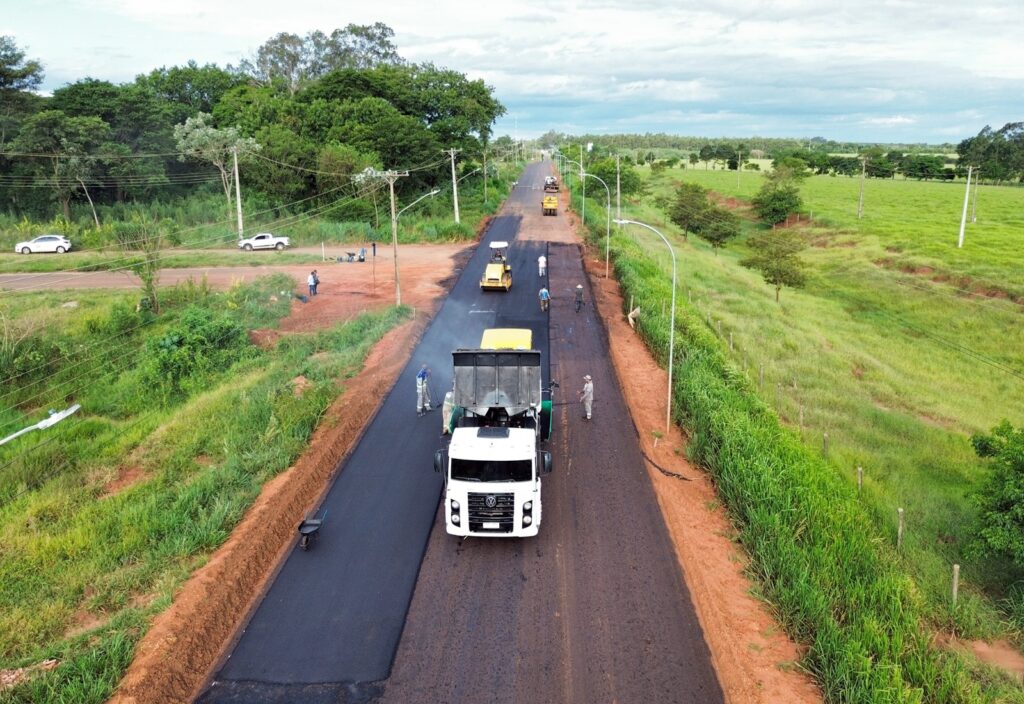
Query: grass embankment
x,y
816,550
183,420
200,225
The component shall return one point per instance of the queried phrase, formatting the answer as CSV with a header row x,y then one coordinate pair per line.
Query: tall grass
x,y
816,553
84,566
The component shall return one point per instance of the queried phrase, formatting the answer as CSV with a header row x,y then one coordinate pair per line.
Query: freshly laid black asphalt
x,y
594,609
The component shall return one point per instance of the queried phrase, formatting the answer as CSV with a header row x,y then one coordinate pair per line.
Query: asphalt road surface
x,y
388,607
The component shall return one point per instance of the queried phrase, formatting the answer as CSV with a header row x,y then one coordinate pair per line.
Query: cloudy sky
x,y
873,70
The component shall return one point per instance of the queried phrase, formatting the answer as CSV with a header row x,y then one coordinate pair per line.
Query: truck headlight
x,y
528,506
455,505
527,520
455,518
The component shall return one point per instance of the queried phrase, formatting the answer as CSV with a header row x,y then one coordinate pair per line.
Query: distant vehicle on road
x,y
44,243
264,240
550,184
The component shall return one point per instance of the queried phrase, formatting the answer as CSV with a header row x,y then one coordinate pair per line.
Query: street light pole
x,y
608,222
672,319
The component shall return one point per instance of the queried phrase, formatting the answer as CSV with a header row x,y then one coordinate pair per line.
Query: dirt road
x,y
374,277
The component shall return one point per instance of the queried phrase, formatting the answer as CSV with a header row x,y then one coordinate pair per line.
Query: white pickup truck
x,y
264,240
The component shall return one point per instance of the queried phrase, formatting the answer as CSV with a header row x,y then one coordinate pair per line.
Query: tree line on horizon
x,y
998,154
306,114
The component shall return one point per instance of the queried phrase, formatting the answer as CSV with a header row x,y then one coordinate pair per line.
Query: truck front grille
x,y
498,519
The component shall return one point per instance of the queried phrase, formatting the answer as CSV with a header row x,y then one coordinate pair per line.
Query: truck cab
x,y
493,482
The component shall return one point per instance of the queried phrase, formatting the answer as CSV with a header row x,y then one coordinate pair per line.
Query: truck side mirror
x,y
438,460
545,463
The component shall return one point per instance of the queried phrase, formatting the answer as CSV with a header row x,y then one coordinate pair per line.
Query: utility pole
x,y
974,203
963,218
391,177
455,181
863,172
739,165
618,191
238,193
485,175
583,190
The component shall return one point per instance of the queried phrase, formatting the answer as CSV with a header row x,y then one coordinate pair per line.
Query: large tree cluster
x,y
304,114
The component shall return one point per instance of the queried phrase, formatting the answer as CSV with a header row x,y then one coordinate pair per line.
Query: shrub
x,y
1001,500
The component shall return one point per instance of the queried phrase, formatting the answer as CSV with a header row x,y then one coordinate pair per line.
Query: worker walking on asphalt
x,y
542,265
579,297
587,396
545,298
422,390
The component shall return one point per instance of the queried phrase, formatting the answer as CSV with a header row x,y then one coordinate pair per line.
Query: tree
x,y
717,227
688,207
190,89
289,62
694,158
145,236
778,196
66,143
199,140
18,78
775,256
630,181
1001,499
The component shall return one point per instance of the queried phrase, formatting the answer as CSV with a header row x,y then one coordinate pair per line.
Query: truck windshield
x,y
492,470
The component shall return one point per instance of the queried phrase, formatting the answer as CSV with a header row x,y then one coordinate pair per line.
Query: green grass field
x,y
897,368
916,223
186,401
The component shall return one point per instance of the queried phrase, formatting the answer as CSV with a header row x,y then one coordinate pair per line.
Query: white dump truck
x,y
493,464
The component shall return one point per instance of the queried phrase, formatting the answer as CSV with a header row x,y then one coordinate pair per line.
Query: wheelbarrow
x,y
309,529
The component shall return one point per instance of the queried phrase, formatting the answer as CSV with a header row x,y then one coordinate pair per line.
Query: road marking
x,y
472,312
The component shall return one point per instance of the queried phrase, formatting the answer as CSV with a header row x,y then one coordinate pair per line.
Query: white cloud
x,y
780,65
890,121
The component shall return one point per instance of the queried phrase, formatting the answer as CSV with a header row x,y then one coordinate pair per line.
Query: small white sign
x,y
491,525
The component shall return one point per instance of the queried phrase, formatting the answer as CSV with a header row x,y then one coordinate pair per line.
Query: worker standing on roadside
x,y
579,297
587,396
545,298
422,390
542,265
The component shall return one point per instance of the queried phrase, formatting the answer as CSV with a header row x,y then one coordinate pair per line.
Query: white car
x,y
44,243
264,240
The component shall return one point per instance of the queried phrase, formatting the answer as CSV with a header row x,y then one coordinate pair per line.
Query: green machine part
x,y
546,419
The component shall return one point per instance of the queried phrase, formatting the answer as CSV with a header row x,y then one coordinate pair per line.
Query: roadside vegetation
x,y
315,122
898,366
183,420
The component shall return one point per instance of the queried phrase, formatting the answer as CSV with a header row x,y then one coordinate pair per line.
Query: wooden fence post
x,y
956,582
824,443
730,341
760,376
899,528
860,479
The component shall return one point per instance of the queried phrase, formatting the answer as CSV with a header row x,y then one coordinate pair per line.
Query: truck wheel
x,y
279,246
